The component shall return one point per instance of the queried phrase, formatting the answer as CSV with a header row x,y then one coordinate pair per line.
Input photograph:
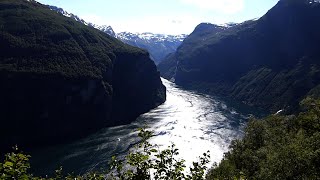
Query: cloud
x,y
176,21
179,24
157,24
223,6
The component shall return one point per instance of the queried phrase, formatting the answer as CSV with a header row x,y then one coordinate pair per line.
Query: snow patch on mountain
x,y
105,29
151,37
158,45
67,14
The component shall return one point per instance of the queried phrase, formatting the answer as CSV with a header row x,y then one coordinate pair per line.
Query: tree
x,y
145,162
276,147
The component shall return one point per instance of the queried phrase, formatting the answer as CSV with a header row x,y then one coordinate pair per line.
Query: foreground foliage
x,y
145,162
277,147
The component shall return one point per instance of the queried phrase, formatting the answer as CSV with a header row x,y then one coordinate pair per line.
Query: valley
x,y
236,100
195,122
158,45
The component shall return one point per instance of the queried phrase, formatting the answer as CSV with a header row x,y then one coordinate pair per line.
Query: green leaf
x,y
153,150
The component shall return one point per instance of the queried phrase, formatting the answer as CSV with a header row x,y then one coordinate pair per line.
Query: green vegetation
x,y
271,63
35,39
63,79
277,147
146,161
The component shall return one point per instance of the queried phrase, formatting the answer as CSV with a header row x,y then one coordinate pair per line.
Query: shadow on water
x,y
193,121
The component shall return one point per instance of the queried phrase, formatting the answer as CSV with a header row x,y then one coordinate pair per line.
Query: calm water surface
x,y
193,121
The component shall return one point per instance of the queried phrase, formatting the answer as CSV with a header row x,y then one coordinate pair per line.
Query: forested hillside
x,y
276,147
62,80
272,62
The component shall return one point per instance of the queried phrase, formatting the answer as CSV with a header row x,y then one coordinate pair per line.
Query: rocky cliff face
x,y
272,62
62,80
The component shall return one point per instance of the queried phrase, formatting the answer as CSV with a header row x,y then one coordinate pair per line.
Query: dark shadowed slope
x,y
168,66
272,62
61,79
158,45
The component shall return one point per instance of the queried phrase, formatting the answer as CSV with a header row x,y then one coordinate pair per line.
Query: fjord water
x,y
193,121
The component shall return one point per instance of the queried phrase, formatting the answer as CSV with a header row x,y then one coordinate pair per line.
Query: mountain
x,y
61,79
272,62
169,64
106,29
158,45
67,14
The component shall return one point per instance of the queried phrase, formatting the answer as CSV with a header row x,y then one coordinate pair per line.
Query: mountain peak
x,y
292,13
104,28
295,4
158,45
206,26
299,1
258,62
67,14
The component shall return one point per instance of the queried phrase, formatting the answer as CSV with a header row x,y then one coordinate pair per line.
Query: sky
x,y
163,16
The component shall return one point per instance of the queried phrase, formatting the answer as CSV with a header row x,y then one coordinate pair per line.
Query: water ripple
x,y
193,121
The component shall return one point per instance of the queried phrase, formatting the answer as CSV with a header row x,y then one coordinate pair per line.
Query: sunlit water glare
x,y
193,121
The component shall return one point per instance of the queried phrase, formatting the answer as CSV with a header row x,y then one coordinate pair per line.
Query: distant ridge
x,y
158,45
272,62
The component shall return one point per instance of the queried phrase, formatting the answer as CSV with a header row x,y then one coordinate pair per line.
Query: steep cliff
x,y
272,62
168,65
62,80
